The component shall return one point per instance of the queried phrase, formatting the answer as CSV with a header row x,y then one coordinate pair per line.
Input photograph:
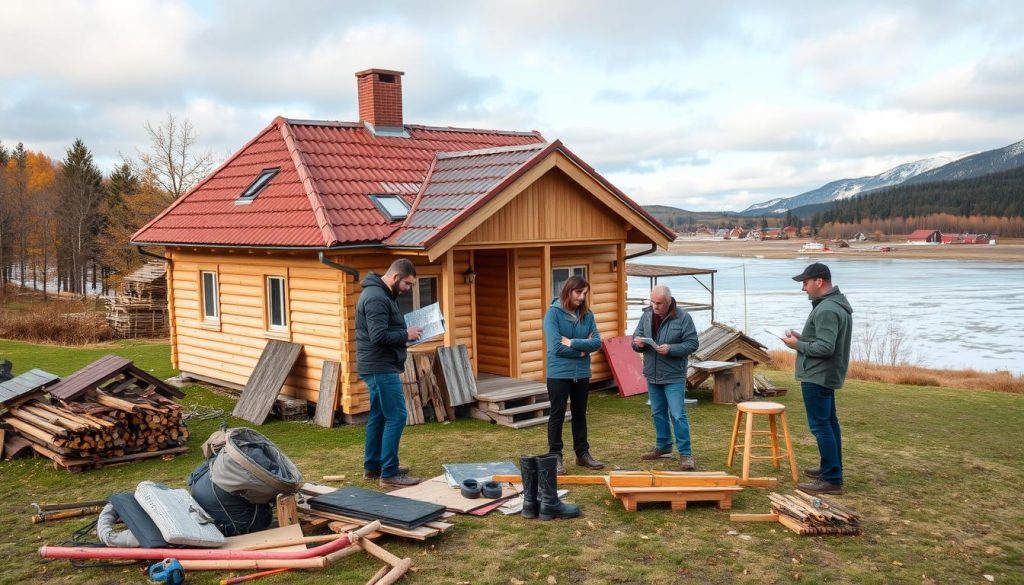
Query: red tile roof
x,y
319,199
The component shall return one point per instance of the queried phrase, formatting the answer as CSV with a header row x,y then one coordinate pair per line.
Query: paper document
x,y
781,333
429,319
647,340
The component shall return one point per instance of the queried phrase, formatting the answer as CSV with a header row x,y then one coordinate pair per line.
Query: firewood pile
x,y
108,412
809,515
424,398
139,309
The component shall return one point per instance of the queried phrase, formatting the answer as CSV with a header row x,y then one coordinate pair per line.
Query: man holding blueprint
x,y
666,337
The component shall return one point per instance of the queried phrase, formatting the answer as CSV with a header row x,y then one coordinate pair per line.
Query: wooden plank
x,y
15,445
91,375
325,404
753,517
457,374
266,380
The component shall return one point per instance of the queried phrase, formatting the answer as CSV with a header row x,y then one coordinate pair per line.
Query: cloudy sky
x,y
700,105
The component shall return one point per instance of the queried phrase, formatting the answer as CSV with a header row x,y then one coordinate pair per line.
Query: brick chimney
x,y
380,97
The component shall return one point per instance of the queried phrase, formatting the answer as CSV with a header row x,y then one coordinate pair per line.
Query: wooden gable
x,y
554,208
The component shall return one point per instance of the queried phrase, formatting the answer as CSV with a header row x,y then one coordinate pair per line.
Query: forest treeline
x,y
989,204
65,226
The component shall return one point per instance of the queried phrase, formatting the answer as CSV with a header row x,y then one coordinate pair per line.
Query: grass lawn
x,y
935,473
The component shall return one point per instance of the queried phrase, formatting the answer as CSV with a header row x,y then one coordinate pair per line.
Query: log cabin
x,y
274,243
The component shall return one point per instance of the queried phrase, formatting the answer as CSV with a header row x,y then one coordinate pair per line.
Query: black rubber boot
x,y
528,465
547,486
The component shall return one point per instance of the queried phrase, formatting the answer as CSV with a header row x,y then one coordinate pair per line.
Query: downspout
x,y
346,269
615,263
143,251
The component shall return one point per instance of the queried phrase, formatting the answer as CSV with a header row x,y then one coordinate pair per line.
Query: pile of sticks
x,y
809,515
99,426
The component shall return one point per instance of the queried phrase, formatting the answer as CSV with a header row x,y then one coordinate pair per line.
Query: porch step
x,y
525,408
512,402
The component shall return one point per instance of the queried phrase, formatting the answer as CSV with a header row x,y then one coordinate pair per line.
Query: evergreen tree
x,y
78,214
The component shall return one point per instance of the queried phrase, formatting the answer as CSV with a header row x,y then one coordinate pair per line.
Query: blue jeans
x,y
385,425
820,403
668,400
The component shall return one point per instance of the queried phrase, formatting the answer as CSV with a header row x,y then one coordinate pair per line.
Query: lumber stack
x,y
108,412
676,488
99,426
809,515
139,309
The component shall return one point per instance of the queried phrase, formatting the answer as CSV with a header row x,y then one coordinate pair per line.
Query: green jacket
x,y
823,352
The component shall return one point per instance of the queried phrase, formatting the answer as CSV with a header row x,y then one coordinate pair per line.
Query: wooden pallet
x,y
678,489
512,402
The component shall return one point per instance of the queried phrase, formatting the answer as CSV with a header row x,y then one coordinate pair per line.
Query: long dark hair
x,y
574,283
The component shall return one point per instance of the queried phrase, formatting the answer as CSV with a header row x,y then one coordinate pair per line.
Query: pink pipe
x,y
105,553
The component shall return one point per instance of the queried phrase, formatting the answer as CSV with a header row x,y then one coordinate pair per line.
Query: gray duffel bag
x,y
251,466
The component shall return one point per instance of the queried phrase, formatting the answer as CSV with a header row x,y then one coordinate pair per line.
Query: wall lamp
x,y
469,276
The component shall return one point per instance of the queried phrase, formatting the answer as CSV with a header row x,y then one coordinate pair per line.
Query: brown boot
x,y
371,475
399,481
587,460
686,463
821,487
656,453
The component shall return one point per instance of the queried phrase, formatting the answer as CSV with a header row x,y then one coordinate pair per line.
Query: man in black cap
x,y
822,358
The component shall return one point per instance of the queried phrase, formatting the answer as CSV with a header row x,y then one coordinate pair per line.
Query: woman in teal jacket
x,y
571,336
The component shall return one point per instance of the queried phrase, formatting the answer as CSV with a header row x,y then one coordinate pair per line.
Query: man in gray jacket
x,y
674,338
381,339
822,358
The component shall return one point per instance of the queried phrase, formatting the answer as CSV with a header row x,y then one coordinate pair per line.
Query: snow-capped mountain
x,y
845,188
975,165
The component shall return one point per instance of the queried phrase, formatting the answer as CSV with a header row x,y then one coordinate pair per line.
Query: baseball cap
x,y
816,270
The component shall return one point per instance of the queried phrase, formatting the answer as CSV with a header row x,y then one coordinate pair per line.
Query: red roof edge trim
x,y
209,176
440,233
615,191
477,130
315,203
419,194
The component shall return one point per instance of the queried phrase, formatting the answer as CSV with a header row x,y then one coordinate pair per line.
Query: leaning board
x,y
266,380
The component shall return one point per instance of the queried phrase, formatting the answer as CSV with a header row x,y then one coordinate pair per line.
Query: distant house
x,y
722,233
755,234
976,238
952,239
738,233
274,244
805,231
703,231
771,234
859,237
925,237
789,232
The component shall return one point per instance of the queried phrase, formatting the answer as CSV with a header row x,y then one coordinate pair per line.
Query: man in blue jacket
x,y
381,339
674,339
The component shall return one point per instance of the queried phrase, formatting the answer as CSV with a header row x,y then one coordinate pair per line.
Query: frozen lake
x,y
953,314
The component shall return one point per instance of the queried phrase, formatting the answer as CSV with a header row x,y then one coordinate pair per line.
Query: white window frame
x,y
206,313
283,326
556,287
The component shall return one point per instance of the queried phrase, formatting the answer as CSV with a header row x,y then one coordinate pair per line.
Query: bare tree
x,y
173,161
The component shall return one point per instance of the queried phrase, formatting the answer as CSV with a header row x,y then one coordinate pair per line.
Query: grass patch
x,y
27,317
934,471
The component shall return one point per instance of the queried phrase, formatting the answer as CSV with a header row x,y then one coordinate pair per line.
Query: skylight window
x,y
393,207
257,185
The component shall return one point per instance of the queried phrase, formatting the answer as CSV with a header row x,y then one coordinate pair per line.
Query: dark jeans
x,y
820,403
574,391
385,424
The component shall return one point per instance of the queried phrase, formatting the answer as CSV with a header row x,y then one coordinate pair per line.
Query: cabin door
x,y
493,311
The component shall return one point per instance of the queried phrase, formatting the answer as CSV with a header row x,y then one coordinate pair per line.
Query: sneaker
x,y
656,453
812,472
399,481
821,487
371,475
686,463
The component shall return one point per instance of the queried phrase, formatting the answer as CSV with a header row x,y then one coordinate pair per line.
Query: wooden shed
x,y
275,242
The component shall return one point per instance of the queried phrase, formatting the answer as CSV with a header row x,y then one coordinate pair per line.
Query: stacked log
x,y
139,308
809,515
99,425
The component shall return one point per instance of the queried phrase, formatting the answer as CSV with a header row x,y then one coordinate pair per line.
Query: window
x,y
211,305
257,185
561,274
422,294
393,207
277,314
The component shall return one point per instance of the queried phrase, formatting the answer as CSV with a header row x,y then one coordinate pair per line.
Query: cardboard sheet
x,y
436,491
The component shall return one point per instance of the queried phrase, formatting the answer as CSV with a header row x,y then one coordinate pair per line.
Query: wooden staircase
x,y
512,402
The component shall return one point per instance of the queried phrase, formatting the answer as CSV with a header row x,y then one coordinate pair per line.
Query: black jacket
x,y
381,333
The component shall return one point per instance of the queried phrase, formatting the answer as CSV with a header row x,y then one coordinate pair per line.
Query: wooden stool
x,y
771,409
